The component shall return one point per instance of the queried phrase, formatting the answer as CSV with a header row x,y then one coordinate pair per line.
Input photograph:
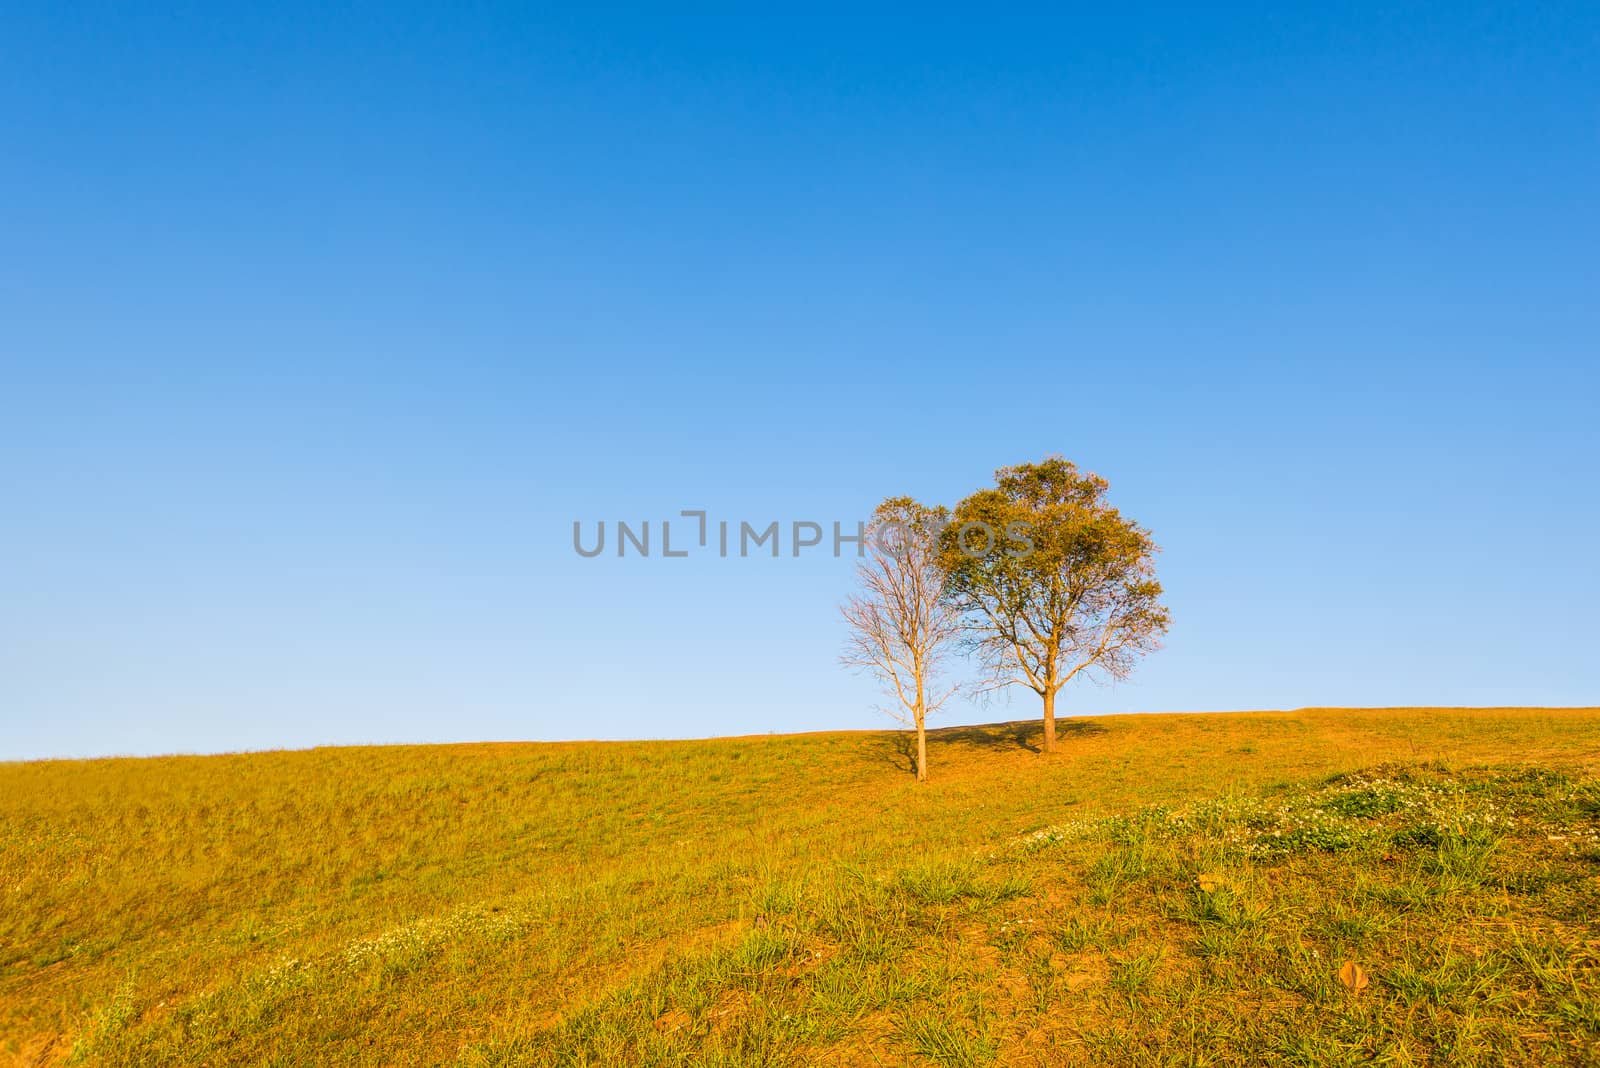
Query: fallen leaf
x,y
1353,976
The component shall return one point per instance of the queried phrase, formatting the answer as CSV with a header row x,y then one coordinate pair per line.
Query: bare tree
x,y
901,624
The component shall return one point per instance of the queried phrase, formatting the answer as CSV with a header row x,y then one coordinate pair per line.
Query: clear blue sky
x,y
318,329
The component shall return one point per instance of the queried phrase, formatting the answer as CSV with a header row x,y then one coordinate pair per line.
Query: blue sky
x,y
318,330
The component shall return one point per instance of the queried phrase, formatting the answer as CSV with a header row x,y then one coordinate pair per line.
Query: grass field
x,y
1167,889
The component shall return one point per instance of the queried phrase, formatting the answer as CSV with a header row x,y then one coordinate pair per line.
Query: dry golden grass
x,y
799,899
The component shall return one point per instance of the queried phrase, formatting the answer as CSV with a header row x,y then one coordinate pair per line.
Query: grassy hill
x,y
1168,889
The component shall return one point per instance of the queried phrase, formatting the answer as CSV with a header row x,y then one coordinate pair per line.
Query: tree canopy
x,y
1054,581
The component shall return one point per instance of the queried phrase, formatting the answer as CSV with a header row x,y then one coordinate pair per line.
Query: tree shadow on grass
x,y
903,751
1026,734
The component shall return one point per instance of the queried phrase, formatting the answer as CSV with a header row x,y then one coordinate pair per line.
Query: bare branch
x,y
901,624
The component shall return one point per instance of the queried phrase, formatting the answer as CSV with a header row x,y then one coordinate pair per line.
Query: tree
x,y
901,624
1053,581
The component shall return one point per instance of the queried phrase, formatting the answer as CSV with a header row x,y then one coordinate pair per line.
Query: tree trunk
x,y
1049,721
922,729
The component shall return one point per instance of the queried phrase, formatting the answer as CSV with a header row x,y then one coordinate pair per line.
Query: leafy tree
x,y
901,624
1053,580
